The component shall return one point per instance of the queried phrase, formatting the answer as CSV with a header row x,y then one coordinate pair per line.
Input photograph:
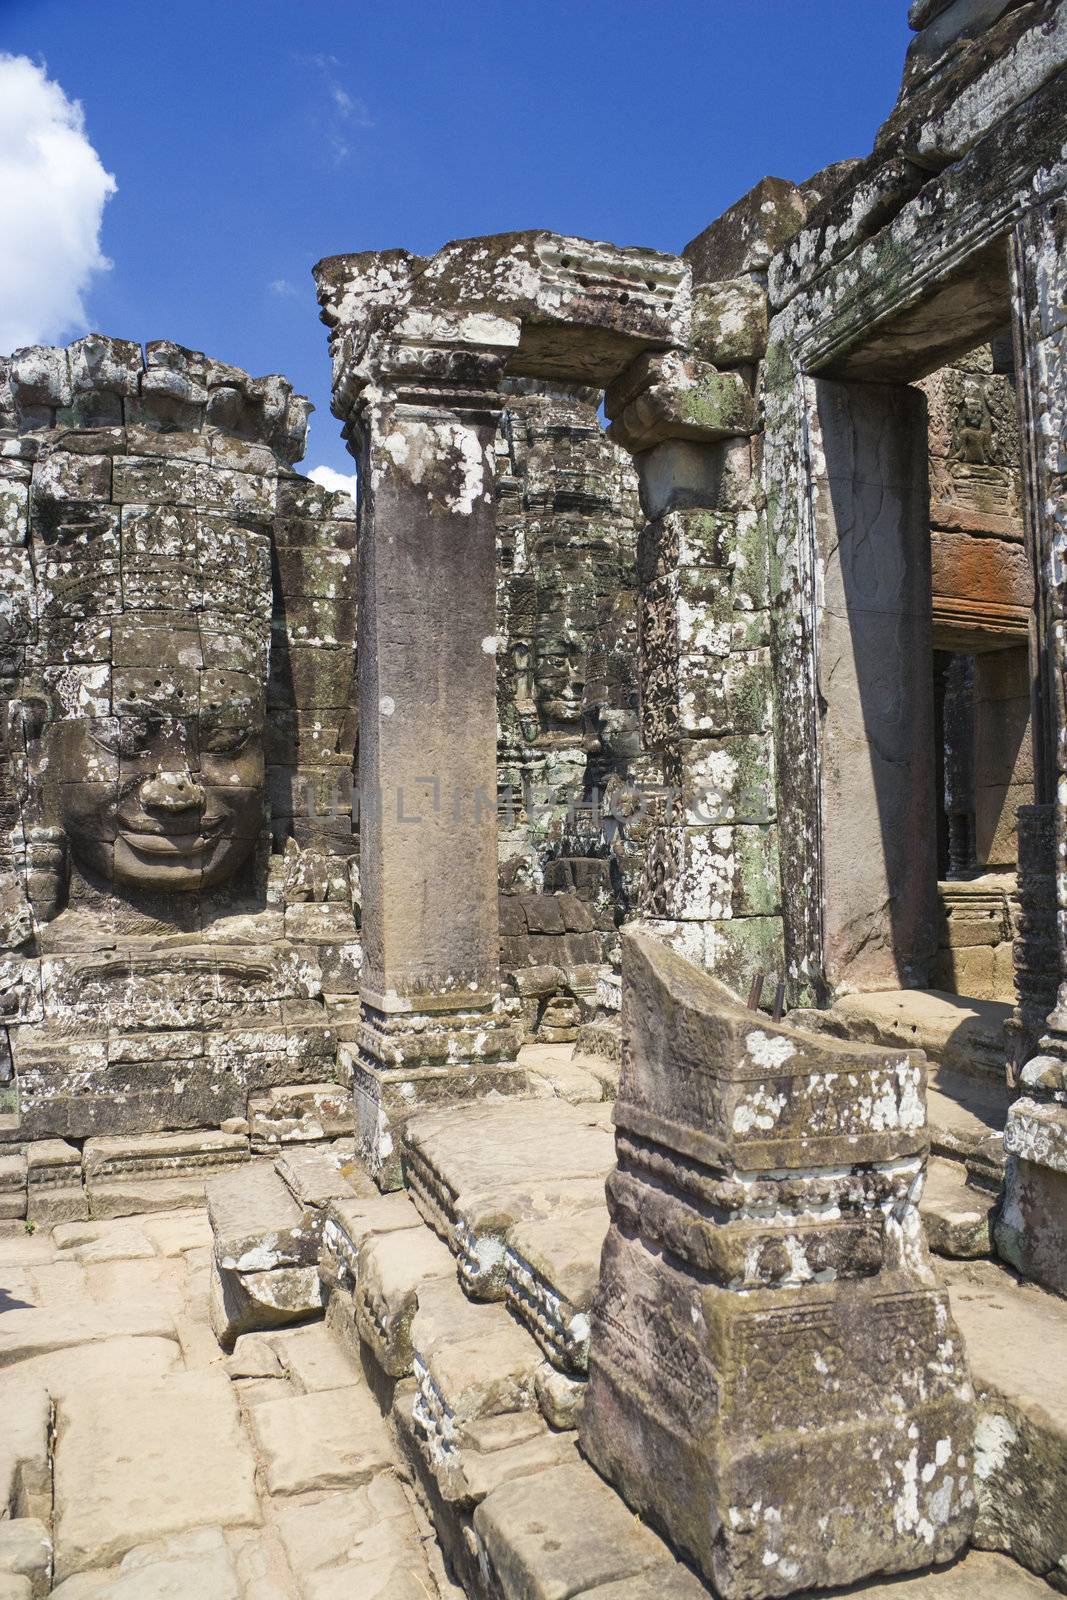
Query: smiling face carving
x,y
166,793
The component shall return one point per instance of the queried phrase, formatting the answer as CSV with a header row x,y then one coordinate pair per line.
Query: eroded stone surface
x,y
139,1460
734,1254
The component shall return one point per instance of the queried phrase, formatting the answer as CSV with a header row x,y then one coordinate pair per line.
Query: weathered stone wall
x,y
567,689
178,641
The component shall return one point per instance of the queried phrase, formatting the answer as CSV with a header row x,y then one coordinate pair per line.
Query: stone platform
x,y
400,1439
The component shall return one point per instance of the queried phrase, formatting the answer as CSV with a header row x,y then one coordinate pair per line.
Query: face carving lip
x,y
168,842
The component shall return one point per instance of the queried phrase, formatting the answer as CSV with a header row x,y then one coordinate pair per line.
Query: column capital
x,y
529,304
671,395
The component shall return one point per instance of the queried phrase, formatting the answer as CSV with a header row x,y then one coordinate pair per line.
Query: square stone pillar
x,y
420,347
767,1323
710,882
1031,1229
433,1028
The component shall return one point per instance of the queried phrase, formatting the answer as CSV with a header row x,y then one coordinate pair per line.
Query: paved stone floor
x,y
265,1475
138,1461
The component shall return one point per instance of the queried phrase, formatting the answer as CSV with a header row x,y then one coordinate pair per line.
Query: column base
x,y
414,1061
722,1418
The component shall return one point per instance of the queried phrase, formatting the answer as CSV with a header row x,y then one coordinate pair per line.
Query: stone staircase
x,y
467,1299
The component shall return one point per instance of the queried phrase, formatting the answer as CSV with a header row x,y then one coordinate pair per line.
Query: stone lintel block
x,y
673,396
746,237
875,191
580,310
730,322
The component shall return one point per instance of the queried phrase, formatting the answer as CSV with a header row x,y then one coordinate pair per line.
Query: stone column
x,y
710,880
433,1028
420,349
1031,1231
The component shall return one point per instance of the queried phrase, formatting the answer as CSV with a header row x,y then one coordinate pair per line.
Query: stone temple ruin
x,y
534,1015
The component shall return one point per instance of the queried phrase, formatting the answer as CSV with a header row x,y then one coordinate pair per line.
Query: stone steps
x,y
267,1222
957,1217
469,1294
1016,1337
487,1423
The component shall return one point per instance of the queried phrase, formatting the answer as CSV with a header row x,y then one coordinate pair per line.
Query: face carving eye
x,y
224,740
129,737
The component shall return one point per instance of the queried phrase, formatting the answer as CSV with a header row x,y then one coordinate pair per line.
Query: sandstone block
x,y
334,1439
54,1182
552,1271
471,1361
257,1225
560,1396
244,1302
27,1332
313,1359
26,1552
680,1411
746,237
187,1566
561,1533
140,1460
394,1269
473,1177
1016,1337
350,1222
351,1530
1029,1230
730,322
956,1217
25,1451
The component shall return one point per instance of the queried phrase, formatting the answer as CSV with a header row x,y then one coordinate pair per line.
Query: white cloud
x,y
284,289
335,481
53,189
344,112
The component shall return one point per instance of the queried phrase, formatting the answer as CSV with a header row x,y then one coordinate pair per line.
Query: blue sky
x,y
250,137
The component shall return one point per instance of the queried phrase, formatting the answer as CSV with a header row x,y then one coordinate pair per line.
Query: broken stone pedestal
x,y
1031,1230
775,1378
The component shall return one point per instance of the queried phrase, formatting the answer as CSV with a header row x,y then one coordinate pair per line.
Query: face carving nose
x,y
172,791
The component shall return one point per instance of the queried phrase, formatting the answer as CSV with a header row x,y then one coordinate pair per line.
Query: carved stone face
x,y
560,680
161,796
